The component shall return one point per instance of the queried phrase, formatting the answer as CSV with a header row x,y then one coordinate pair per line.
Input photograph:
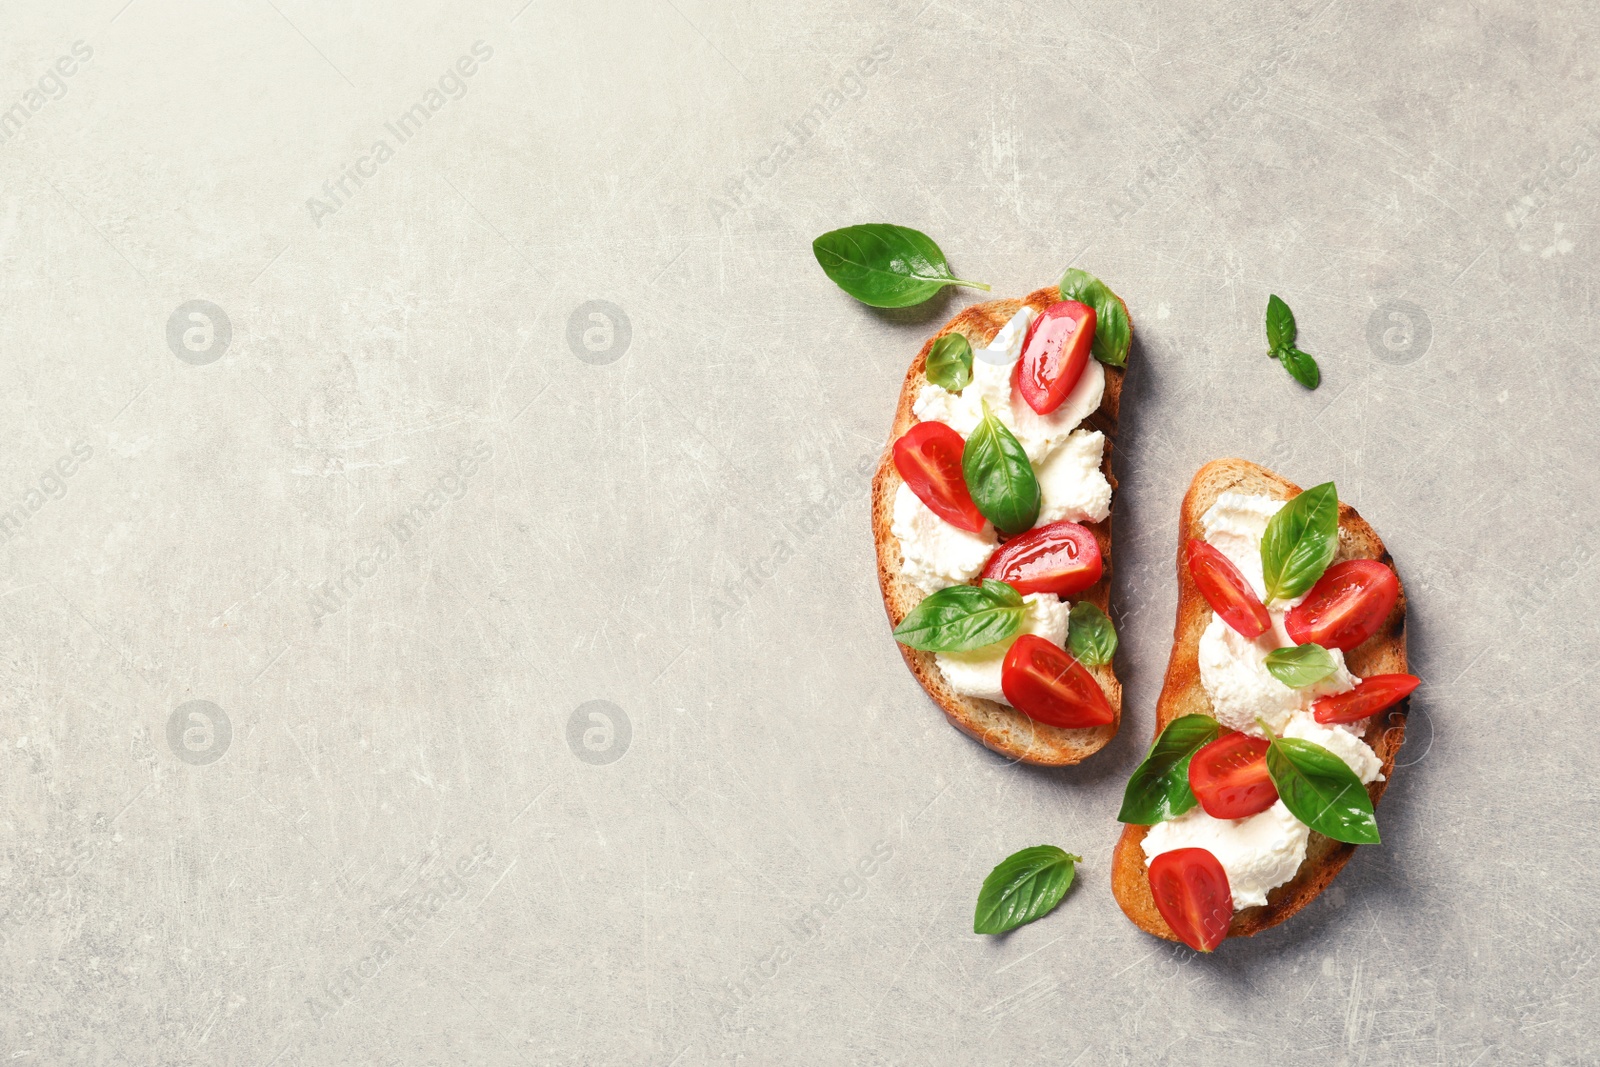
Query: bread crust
x,y
1182,694
998,726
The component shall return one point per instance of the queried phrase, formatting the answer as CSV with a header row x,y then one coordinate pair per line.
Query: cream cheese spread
x,y
935,553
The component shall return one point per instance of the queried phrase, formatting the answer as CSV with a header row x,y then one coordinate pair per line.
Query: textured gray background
x,y
404,849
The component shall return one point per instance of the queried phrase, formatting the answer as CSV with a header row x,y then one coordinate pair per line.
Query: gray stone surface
x,y
398,829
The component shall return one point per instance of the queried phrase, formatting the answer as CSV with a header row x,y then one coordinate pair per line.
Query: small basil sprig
x,y
1025,886
1159,789
962,618
1298,666
885,266
1280,340
1112,331
999,476
950,362
1320,789
1091,638
1300,541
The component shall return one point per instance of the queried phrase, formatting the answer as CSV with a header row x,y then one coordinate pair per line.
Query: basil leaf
x,y
962,618
1112,331
1091,638
1280,325
999,476
1321,790
885,266
1300,542
1025,886
1298,666
1159,789
950,362
1301,367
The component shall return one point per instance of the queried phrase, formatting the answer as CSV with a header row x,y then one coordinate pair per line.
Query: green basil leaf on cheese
x,y
1298,666
1300,542
1280,325
1025,886
1159,789
999,476
962,618
950,362
1321,790
885,266
1112,331
1091,638
1301,367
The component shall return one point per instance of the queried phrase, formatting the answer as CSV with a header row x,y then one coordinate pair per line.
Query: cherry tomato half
x,y
1192,894
1054,354
1370,696
1047,685
1229,777
1062,558
1346,606
928,457
1226,590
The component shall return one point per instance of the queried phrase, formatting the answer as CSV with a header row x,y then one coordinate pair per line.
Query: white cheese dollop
x,y
1071,484
936,554
977,673
992,368
1257,853
1233,670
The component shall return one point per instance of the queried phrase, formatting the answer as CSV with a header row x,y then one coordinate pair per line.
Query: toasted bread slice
x,y
998,726
1182,694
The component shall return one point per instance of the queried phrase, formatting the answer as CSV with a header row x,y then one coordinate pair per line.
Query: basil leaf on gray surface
x,y
950,362
1112,331
1321,790
999,476
962,618
1159,789
884,265
1091,638
1025,886
1300,542
1301,367
1280,325
1281,331
1298,666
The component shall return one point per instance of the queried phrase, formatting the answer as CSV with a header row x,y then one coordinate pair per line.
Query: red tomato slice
x,y
1047,685
1062,558
1370,696
1226,590
1192,894
1229,777
1346,606
1055,354
928,457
